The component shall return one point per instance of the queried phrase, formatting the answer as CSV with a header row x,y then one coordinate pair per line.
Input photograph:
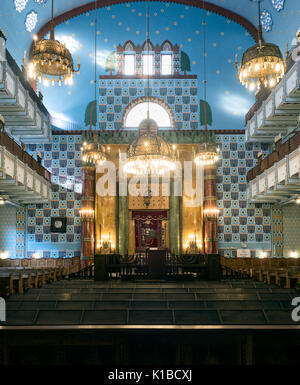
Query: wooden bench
x,y
18,280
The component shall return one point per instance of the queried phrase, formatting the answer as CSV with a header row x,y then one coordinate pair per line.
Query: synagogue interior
x,y
149,182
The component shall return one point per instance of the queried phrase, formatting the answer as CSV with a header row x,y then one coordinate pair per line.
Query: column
x,y
174,220
123,225
210,203
277,231
87,216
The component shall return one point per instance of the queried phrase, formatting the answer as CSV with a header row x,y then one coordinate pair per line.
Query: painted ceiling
x,y
181,24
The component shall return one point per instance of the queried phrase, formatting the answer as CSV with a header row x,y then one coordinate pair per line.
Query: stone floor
x,y
82,302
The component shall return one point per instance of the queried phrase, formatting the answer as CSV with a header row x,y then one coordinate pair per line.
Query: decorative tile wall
x,y
62,158
291,229
21,232
278,236
8,231
239,221
179,94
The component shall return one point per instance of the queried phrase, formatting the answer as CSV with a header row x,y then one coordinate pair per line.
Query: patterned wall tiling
x,y
240,221
291,230
179,94
62,158
278,235
8,231
21,232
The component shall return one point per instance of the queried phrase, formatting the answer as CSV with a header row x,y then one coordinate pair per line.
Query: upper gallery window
x,y
129,64
166,64
148,64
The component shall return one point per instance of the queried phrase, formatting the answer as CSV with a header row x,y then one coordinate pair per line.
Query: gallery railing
x,y
282,149
16,150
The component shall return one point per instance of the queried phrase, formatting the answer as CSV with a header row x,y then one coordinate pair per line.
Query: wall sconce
x,y
211,214
87,214
294,254
262,254
36,255
4,254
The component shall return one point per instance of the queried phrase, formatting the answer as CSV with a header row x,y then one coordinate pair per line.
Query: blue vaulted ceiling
x,y
180,24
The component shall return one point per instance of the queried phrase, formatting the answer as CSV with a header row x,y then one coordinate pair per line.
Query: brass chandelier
x,y
51,61
149,153
93,152
262,64
207,152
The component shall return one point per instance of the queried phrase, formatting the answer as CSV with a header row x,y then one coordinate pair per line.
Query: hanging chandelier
x,y
207,152
262,64
93,152
50,61
149,153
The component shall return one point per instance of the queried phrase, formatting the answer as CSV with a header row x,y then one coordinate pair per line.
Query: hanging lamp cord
x,y
148,58
259,30
95,64
204,60
52,22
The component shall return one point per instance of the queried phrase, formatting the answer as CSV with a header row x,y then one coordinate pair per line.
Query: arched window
x,y
139,112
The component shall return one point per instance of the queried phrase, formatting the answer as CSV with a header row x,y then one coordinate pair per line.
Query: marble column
x,y
174,220
210,203
88,216
123,225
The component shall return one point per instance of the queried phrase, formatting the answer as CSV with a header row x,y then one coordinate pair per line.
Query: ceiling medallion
x,y
262,64
50,61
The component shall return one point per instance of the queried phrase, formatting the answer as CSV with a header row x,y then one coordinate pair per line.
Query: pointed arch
x,y
148,46
129,46
167,46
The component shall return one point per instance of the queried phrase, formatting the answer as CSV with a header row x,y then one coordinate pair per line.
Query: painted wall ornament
x,y
90,118
266,20
110,65
185,64
278,4
20,5
31,20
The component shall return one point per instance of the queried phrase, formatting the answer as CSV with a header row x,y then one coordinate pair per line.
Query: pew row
x,y
70,265
18,280
284,272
